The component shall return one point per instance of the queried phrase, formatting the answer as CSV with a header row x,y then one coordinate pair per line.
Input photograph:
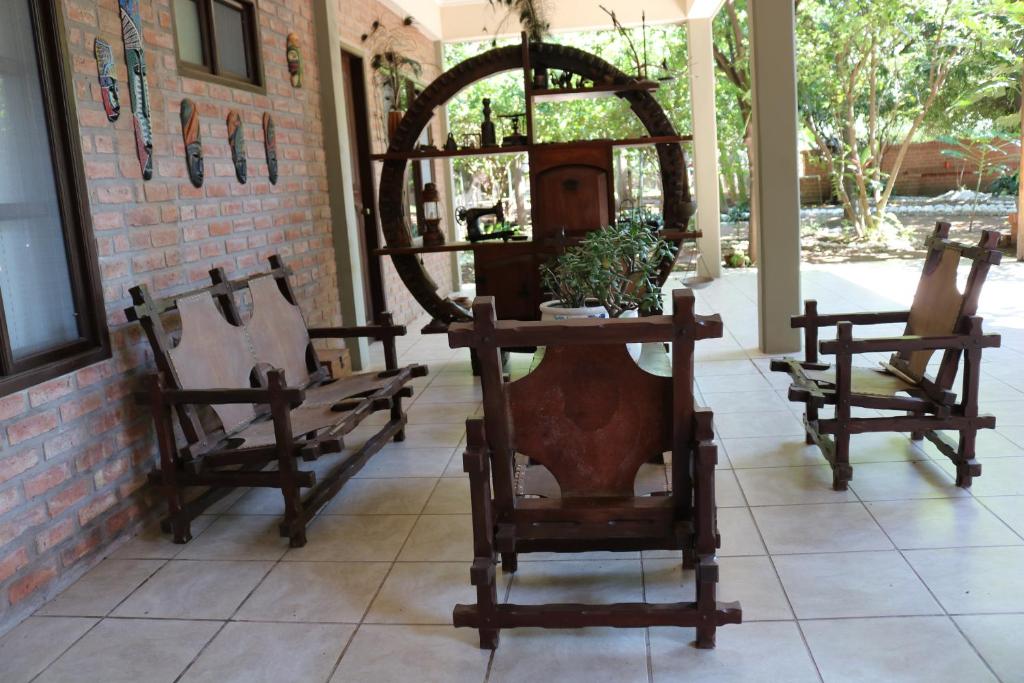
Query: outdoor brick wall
x,y
356,18
74,451
926,171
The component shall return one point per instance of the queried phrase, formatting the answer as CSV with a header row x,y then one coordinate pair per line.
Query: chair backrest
x,y
939,307
217,350
588,412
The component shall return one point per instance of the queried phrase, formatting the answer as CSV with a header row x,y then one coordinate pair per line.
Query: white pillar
x,y
345,223
775,200
705,143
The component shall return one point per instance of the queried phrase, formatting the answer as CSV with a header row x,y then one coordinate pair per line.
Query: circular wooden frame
x,y
677,206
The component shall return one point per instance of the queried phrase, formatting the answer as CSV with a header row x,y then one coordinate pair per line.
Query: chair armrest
x,y
381,331
911,343
810,318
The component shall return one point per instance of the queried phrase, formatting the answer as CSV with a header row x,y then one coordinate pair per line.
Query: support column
x,y
344,222
775,199
705,143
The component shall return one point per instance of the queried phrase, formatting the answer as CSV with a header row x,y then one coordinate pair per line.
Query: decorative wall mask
x,y
270,146
193,142
108,82
236,139
294,60
131,31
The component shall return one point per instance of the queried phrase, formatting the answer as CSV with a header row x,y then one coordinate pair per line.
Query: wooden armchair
x,y
941,318
251,394
591,418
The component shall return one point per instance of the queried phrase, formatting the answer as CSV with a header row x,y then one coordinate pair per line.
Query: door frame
x,y
370,235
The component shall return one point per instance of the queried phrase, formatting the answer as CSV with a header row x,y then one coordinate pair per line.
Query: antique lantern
x,y
432,235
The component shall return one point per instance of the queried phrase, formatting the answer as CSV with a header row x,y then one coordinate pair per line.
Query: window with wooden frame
x,y
219,40
52,318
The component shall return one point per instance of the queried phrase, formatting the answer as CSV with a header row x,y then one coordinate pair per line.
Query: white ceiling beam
x,y
427,14
477,19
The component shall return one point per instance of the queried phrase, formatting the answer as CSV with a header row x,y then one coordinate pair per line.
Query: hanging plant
x,y
533,16
392,65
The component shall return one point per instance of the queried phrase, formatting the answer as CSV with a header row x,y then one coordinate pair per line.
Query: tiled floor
x,y
902,578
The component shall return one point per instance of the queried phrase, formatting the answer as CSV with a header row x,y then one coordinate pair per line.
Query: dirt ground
x,y
829,242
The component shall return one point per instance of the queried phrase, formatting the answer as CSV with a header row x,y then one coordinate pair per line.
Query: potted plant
x,y
392,66
612,273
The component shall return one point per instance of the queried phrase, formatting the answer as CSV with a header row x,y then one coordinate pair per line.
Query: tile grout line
x,y
934,597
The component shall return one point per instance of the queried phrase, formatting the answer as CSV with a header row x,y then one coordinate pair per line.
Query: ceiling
x,y
455,20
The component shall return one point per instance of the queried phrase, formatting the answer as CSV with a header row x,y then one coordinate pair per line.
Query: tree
x,y
497,177
872,73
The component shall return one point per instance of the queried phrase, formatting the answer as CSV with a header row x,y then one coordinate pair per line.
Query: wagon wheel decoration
x,y
677,205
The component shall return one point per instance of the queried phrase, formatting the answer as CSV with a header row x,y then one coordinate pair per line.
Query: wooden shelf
x,y
444,154
593,92
520,149
471,246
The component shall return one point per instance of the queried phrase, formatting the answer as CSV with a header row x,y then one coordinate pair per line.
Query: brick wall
x,y
356,19
74,451
926,171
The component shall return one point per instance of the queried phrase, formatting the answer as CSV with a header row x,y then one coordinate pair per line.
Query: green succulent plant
x,y
616,267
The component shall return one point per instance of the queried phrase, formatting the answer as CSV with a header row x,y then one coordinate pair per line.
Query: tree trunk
x,y
1020,175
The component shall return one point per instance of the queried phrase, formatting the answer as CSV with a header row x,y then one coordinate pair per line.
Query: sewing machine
x,y
471,218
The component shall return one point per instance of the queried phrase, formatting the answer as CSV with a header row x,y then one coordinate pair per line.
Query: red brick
x,y
68,497
9,500
72,410
12,406
96,507
144,215
83,547
41,483
12,562
15,527
51,391
111,472
30,583
13,465
31,427
55,535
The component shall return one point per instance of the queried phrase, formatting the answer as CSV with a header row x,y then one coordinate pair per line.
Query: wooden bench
x,y
252,393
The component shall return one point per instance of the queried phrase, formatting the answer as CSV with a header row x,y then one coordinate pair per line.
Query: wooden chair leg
x,y
965,463
706,585
842,472
812,415
294,525
177,518
689,558
509,562
397,414
915,436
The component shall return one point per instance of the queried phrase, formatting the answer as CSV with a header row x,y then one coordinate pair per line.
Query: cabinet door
x,y
509,273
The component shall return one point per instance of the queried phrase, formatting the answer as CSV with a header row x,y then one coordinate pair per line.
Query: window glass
x,y
229,23
190,38
35,283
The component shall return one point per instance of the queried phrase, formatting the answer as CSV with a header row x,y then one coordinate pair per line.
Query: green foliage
x,y
496,176
874,74
617,266
1007,185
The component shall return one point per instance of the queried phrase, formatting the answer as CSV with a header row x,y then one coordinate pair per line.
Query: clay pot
x,y
394,118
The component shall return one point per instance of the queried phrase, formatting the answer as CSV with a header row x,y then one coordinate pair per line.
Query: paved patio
x,y
902,578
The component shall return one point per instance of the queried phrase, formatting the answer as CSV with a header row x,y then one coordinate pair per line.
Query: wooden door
x,y
354,85
571,189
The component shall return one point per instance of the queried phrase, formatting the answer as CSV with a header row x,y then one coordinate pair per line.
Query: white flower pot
x,y
553,310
